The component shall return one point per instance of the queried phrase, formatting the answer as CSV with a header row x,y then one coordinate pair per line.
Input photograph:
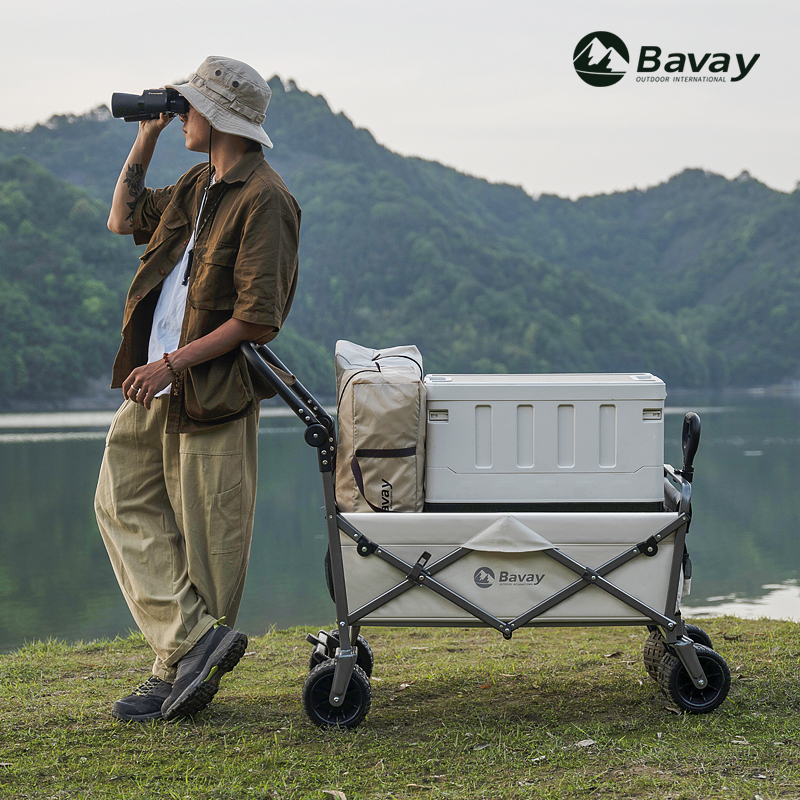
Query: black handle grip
x,y
690,440
296,396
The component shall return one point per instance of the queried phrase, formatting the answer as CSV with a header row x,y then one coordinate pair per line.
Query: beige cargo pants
x,y
176,515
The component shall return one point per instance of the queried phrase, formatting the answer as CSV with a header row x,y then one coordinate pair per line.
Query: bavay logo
x,y
386,495
650,60
600,59
485,578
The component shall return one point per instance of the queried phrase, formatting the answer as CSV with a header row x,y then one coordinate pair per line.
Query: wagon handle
x,y
691,439
296,396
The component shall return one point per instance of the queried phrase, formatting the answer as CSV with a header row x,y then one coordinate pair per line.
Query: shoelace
x,y
148,686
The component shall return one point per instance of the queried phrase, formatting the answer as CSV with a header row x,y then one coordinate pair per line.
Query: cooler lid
x,y
562,386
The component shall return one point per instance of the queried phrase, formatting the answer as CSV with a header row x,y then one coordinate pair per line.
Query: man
x,y
176,494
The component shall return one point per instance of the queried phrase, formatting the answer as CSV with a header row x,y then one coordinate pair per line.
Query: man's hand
x,y
153,127
145,382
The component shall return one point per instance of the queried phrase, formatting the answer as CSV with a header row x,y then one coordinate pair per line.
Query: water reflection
x,y
746,508
55,579
780,601
66,419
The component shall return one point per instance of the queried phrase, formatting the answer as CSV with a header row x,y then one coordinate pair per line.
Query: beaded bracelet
x,y
176,378
169,366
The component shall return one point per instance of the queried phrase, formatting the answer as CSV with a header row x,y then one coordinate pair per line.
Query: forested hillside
x,y
62,284
697,279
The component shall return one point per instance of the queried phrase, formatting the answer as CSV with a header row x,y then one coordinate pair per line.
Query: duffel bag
x,y
380,465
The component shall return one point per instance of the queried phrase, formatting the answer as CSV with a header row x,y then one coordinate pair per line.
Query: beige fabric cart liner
x,y
508,570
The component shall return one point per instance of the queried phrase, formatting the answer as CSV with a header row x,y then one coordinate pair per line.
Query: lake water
x,y
55,579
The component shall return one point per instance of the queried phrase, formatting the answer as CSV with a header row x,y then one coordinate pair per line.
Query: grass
x,y
554,713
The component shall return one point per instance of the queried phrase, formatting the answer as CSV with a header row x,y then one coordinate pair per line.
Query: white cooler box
x,y
545,442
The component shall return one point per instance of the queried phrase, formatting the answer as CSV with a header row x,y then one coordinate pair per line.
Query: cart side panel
x,y
508,584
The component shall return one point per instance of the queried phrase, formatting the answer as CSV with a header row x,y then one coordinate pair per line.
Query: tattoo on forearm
x,y
134,178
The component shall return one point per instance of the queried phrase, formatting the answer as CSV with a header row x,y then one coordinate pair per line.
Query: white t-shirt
x,y
165,332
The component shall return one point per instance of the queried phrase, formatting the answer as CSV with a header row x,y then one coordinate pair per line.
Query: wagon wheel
x,y
699,636
675,683
364,657
316,693
654,649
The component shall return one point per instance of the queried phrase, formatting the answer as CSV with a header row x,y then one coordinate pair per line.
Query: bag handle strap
x,y
412,360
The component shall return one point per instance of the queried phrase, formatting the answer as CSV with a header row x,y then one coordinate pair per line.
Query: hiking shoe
x,y
144,702
200,670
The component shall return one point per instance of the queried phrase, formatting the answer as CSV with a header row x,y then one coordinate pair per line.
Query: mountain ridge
x,y
694,279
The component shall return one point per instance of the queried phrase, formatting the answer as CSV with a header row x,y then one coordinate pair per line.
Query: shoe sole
x,y
200,692
139,718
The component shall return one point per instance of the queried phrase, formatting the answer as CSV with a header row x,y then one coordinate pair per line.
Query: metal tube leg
x,y
346,654
345,663
685,651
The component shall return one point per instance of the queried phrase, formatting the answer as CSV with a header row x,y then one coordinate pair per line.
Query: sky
x,y
485,87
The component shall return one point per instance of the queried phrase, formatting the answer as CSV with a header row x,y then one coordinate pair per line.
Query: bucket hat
x,y
231,95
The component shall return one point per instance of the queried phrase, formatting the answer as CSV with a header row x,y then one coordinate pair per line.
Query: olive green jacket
x,y
244,266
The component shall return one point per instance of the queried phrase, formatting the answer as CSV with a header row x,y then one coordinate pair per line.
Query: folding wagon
x,y
591,557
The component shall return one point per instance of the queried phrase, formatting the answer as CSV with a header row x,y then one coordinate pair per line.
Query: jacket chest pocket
x,y
170,236
212,286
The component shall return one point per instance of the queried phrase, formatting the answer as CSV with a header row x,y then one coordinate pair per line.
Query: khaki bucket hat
x,y
231,95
